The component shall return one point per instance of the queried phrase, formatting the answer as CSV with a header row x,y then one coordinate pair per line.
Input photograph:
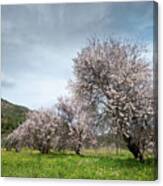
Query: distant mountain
x,y
12,116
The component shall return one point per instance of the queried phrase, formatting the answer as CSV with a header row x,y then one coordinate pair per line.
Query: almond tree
x,y
116,79
75,125
37,132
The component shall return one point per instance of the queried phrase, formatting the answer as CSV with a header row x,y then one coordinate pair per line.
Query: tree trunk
x,y
77,150
17,149
133,148
79,145
45,150
117,147
135,151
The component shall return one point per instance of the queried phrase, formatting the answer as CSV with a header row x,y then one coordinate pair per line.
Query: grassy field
x,y
92,165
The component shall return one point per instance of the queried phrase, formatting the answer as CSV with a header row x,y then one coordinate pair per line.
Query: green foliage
x,y
11,116
92,165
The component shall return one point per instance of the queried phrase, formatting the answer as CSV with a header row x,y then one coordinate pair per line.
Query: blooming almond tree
x,y
75,125
37,132
116,78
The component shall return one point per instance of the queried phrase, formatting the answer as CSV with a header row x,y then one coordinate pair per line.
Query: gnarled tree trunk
x,y
133,148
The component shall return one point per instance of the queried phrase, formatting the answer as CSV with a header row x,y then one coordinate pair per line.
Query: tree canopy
x,y
116,79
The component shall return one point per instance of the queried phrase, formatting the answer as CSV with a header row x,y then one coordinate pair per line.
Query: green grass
x,y
92,165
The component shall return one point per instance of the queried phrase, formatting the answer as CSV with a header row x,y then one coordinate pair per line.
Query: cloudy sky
x,y
39,42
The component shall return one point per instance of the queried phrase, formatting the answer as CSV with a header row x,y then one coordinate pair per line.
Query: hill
x,y
12,116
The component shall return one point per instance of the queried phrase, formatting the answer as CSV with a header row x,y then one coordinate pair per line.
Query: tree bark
x,y
77,150
133,148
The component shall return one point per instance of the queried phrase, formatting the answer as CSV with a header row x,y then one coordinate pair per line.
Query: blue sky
x,y
39,42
